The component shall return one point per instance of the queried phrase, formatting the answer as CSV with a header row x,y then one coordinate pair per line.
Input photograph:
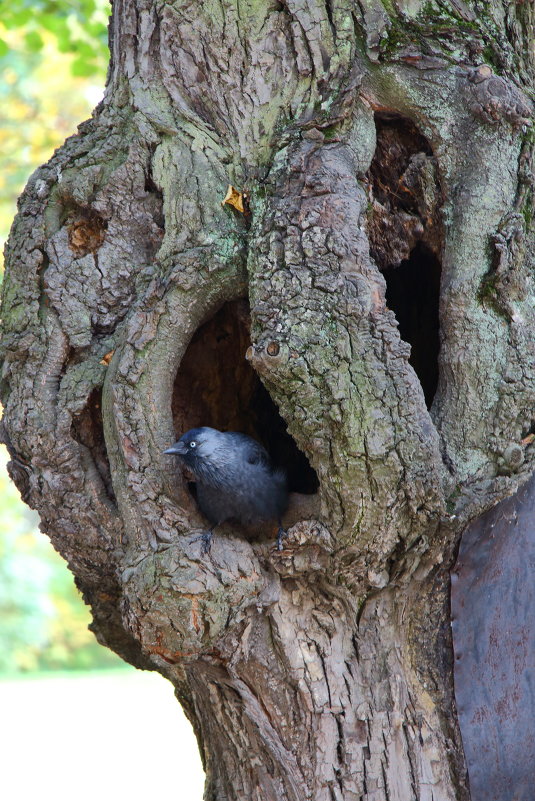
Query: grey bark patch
x,y
493,603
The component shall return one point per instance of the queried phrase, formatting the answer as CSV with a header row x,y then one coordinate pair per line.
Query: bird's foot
x,y
206,540
280,534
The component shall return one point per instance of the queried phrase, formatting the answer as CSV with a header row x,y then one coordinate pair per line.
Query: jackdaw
x,y
235,479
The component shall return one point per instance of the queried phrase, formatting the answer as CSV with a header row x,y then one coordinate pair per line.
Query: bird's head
x,y
195,447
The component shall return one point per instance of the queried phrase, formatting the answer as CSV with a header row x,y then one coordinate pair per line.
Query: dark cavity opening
x,y
215,386
398,141
405,232
412,293
87,231
87,429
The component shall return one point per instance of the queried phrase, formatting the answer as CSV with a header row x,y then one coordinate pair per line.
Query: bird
x,y
235,478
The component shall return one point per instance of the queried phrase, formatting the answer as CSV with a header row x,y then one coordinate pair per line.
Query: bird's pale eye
x,y
193,444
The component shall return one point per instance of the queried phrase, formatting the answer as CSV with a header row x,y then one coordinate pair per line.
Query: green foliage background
x,y
53,58
79,27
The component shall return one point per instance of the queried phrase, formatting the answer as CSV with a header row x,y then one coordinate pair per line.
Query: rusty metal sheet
x,y
493,622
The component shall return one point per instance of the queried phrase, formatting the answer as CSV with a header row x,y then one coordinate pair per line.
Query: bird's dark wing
x,y
253,452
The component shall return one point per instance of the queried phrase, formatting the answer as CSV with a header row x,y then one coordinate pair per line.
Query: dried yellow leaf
x,y
107,358
234,198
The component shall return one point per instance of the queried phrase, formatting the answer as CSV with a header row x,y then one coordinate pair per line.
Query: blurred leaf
x,y
4,48
33,41
16,19
54,24
84,49
97,29
64,43
82,68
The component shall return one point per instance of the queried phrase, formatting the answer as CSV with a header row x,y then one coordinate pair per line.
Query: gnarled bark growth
x,y
387,163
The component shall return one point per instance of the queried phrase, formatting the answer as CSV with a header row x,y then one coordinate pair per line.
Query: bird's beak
x,y
178,449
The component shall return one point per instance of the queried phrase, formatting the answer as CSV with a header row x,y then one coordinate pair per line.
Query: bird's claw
x,y
206,542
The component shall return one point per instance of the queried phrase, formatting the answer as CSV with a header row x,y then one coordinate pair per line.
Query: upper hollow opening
x,y
215,386
405,231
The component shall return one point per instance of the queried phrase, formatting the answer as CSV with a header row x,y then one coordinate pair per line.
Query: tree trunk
x,y
367,316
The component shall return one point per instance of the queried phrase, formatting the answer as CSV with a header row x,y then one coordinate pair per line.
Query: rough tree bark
x,y
386,155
